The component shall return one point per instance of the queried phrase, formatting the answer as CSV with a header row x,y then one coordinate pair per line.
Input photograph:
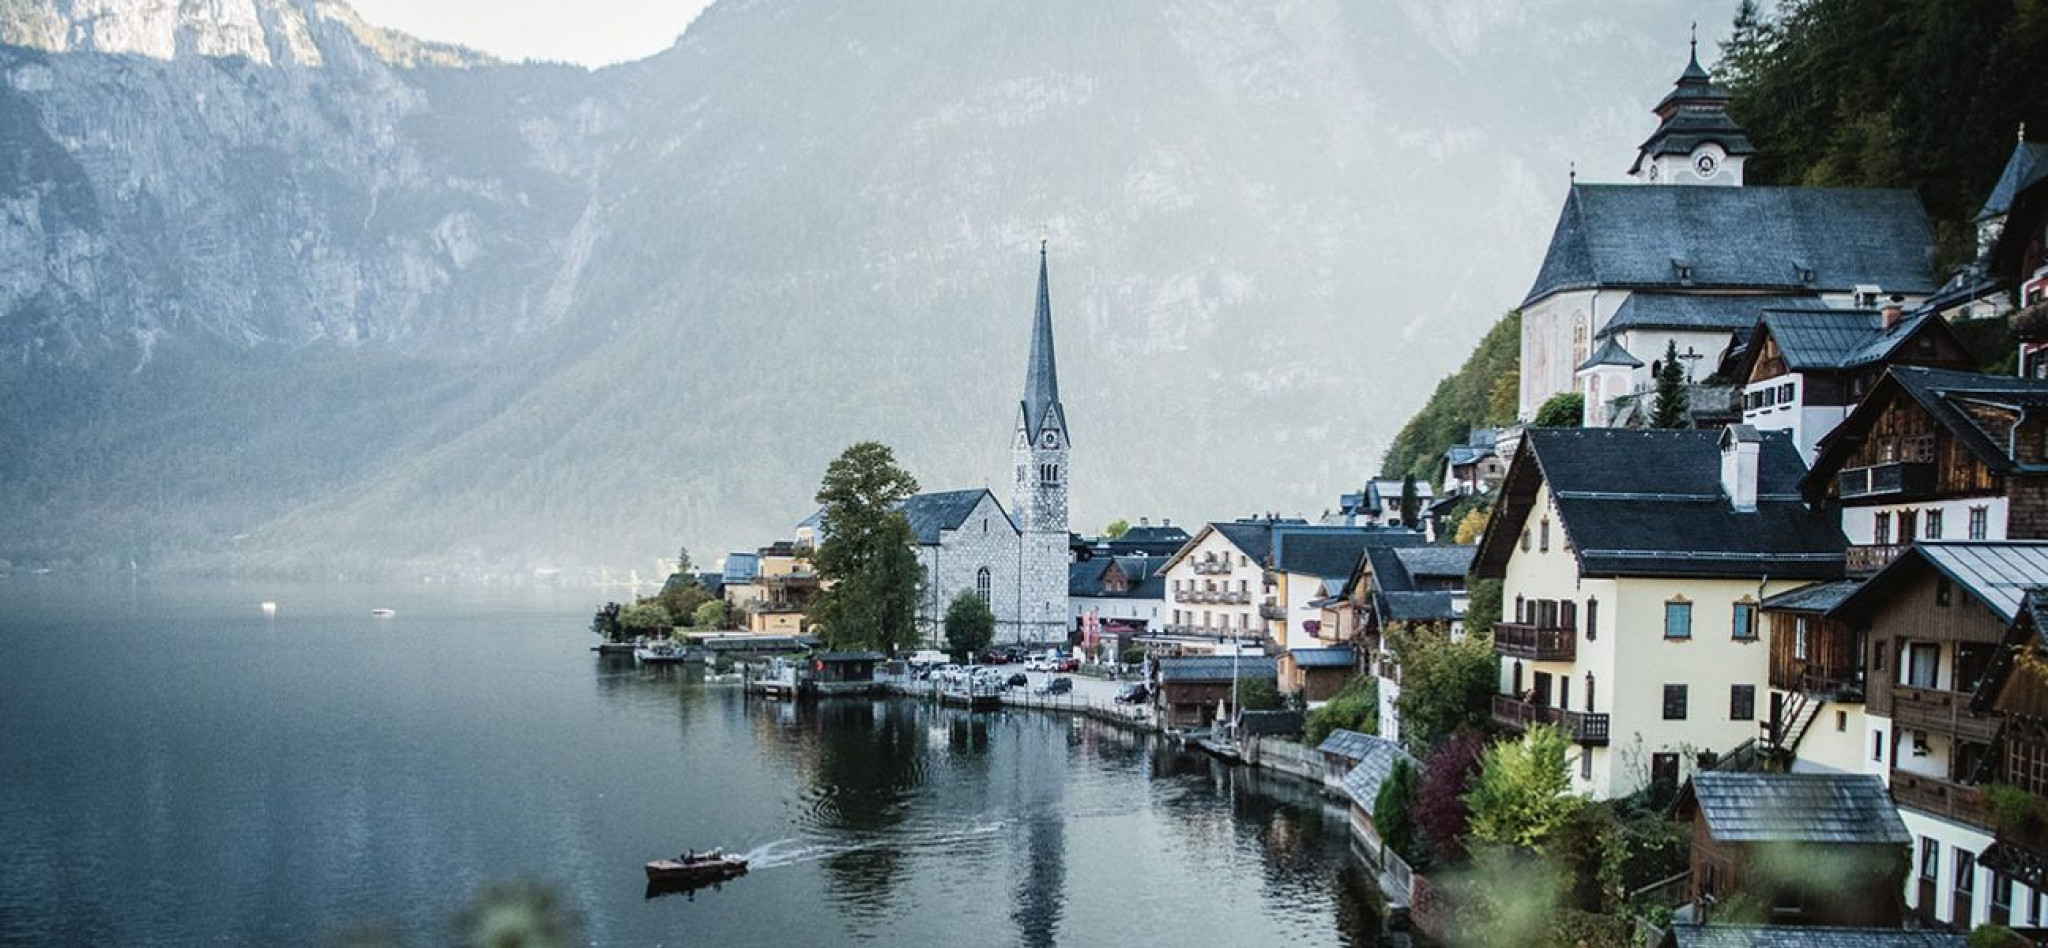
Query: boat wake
x,y
793,851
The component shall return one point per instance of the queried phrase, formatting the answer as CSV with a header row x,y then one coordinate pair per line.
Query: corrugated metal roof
x,y
1804,936
1796,808
1338,657
1998,573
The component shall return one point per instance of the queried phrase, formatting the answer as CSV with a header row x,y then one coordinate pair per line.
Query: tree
x,y
1117,528
865,560
1504,401
1473,526
1457,405
1562,410
712,614
1390,808
645,617
1445,685
1355,708
605,624
1411,501
1668,409
1259,694
681,596
683,560
1482,606
1523,791
1441,817
970,626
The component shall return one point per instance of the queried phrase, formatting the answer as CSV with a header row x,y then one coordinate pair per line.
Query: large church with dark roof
x,y
1685,255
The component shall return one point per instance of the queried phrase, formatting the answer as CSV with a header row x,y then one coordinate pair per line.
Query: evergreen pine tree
x,y
1411,502
1668,411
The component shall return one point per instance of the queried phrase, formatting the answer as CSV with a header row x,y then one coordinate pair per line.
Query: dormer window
x,y
1803,273
1681,270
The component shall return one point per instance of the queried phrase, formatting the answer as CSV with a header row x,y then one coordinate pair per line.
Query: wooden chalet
x,y
1812,849
1189,690
2015,691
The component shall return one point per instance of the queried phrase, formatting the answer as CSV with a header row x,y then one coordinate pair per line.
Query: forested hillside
x,y
1481,392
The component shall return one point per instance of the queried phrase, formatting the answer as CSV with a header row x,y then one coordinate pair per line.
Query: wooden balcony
x,y
1898,480
1942,798
1941,712
1534,642
1869,558
1582,728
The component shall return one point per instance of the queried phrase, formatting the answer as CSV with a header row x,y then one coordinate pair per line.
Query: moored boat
x,y
663,652
694,868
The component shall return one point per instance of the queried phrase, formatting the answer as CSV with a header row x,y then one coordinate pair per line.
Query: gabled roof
x,y
1817,598
1996,573
1841,339
1708,313
1152,534
1437,562
1650,503
1969,405
1085,579
1610,353
1362,782
1794,808
1637,236
1350,745
1808,936
1332,552
1210,669
933,512
2024,168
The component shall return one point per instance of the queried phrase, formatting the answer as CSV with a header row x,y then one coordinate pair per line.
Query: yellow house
x,y
1633,567
782,588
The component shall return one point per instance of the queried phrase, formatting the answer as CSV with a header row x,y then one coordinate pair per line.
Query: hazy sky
x,y
590,32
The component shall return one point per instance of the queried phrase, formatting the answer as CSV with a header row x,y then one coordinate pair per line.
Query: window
x,y
1525,541
1592,621
1930,859
1678,619
1933,525
1980,523
2001,897
1585,763
1877,656
1944,591
1799,638
1543,546
982,584
1742,703
1049,473
1841,722
1923,664
1881,528
1785,393
1664,770
1745,622
1877,746
1674,702
1908,527
1966,871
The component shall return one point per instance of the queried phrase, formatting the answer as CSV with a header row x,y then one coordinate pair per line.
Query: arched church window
x,y
982,584
1581,336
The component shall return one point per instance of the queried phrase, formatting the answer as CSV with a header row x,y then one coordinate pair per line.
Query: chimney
x,y
1741,447
1894,310
1144,521
1166,521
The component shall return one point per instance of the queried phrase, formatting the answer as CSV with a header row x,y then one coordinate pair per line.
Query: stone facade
x,y
986,540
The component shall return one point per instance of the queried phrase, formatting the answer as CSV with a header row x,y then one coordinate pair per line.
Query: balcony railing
x,y
1869,558
1535,642
1212,566
1942,712
1941,798
1581,727
1900,479
1271,611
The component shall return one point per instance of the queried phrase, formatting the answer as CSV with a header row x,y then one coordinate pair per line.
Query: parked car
x,y
1037,664
1056,686
1018,680
1015,653
994,657
1066,665
1133,693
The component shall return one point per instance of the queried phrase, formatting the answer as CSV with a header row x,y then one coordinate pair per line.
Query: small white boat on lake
x,y
383,613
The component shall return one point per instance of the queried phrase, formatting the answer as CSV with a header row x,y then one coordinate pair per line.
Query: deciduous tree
x,y
865,558
1523,791
970,626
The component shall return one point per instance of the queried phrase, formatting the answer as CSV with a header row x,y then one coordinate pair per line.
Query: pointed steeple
x,y
1693,114
1041,377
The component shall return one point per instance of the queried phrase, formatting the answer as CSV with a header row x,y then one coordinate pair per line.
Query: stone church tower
x,y
1039,498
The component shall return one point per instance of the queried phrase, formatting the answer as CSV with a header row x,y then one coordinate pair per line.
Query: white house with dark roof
x,y
1704,259
1633,566
1802,371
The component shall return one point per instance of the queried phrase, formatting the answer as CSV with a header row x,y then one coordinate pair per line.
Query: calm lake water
x,y
177,769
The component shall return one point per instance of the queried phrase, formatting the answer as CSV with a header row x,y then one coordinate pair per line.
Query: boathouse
x,y
1810,849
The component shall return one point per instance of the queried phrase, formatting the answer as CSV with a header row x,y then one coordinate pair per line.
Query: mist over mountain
x,y
280,291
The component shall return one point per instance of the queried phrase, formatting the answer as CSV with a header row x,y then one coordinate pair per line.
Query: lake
x,y
176,768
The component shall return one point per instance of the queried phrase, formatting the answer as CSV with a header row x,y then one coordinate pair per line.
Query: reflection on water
x,y
261,781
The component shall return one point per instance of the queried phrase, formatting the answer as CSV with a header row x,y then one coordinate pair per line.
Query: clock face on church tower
x,y
1705,165
1051,440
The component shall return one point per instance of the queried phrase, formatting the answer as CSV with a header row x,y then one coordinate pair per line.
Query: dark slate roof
x,y
1418,606
1735,314
1254,537
1444,561
1944,393
1350,745
1338,657
1807,936
932,512
1150,534
1202,669
1261,723
1839,339
1796,808
1085,578
1996,573
837,657
1610,353
1363,781
1333,552
1817,597
1041,376
2024,168
1635,235
1649,503
1463,454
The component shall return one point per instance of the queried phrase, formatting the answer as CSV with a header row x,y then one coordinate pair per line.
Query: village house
x,y
1309,565
1422,588
1473,466
1214,585
1809,849
1815,722
2012,249
1146,539
1689,256
1634,564
1802,370
1378,504
2015,689
1934,620
1191,691
1116,597
784,586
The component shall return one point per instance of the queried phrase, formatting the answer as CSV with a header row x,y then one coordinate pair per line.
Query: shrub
x,y
1440,814
1356,708
1259,694
1390,811
1523,791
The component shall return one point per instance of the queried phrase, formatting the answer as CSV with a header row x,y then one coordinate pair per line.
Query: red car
x,y
993,657
1067,665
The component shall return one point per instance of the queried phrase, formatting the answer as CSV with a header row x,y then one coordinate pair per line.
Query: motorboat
x,y
695,868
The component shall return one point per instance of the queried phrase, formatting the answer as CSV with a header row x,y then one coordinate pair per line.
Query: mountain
x,y
280,291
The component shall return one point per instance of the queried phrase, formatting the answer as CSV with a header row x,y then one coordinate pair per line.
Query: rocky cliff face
x,y
282,291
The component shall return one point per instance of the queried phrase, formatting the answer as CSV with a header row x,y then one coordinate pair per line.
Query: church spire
x,y
1041,377
1696,141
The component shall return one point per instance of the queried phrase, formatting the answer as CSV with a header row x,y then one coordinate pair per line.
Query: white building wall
x,y
1860,523
1552,346
1150,611
1235,618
